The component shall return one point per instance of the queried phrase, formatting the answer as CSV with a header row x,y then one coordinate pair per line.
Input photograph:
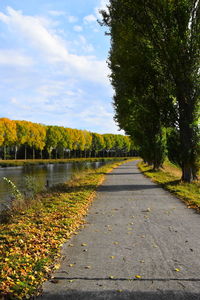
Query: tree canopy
x,y
155,63
58,140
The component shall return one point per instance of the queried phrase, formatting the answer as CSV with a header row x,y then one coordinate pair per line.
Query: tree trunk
x,y
188,139
4,152
33,153
25,153
15,153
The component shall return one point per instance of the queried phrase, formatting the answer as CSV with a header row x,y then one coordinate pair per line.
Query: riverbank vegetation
x,y
23,140
169,177
25,162
155,61
31,238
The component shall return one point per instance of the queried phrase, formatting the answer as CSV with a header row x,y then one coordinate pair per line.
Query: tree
x,y
22,136
9,133
97,143
170,32
53,136
1,133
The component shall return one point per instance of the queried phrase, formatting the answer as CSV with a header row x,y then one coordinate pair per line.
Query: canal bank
x,y
37,175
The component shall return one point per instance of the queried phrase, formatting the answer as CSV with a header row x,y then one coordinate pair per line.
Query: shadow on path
x,y
121,295
126,279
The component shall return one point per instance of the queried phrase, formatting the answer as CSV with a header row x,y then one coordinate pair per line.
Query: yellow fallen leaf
x,y
112,256
115,243
111,277
119,291
71,280
138,276
88,267
71,265
177,270
56,267
83,244
71,245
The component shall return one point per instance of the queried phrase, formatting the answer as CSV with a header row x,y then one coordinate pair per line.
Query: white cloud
x,y
56,13
101,118
89,19
53,48
77,28
96,15
72,19
85,46
102,6
14,58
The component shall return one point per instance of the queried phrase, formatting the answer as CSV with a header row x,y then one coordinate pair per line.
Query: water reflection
x,y
43,174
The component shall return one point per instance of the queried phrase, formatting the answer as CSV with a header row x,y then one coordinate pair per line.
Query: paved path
x,y
134,228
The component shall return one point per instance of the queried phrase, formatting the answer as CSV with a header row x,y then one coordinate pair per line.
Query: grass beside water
x,y
31,241
169,178
24,162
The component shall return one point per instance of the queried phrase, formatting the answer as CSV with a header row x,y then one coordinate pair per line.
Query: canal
x,y
39,176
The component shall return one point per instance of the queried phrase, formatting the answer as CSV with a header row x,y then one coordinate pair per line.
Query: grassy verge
x,y
169,178
23,162
30,243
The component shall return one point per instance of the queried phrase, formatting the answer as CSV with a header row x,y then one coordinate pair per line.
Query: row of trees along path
x,y
155,63
18,138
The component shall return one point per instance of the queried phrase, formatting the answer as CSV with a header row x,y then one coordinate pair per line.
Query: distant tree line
x,y
155,71
24,139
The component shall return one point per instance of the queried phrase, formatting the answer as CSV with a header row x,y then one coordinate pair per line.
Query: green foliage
x,y
154,59
56,139
16,194
32,186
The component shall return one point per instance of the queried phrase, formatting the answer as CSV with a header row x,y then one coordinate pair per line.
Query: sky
x,y
53,66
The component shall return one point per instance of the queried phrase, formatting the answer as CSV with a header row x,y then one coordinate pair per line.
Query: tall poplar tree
x,y
170,32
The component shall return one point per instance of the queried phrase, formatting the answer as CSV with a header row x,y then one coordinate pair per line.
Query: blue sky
x,y
53,64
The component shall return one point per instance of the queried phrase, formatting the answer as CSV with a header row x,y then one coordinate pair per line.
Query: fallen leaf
x,y
87,267
71,265
112,256
177,270
83,244
111,277
138,276
115,243
56,267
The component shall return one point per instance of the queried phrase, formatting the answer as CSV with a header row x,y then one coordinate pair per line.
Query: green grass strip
x,y
188,192
30,243
23,162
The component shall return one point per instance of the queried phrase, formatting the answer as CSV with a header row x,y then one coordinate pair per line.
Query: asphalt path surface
x,y
139,242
